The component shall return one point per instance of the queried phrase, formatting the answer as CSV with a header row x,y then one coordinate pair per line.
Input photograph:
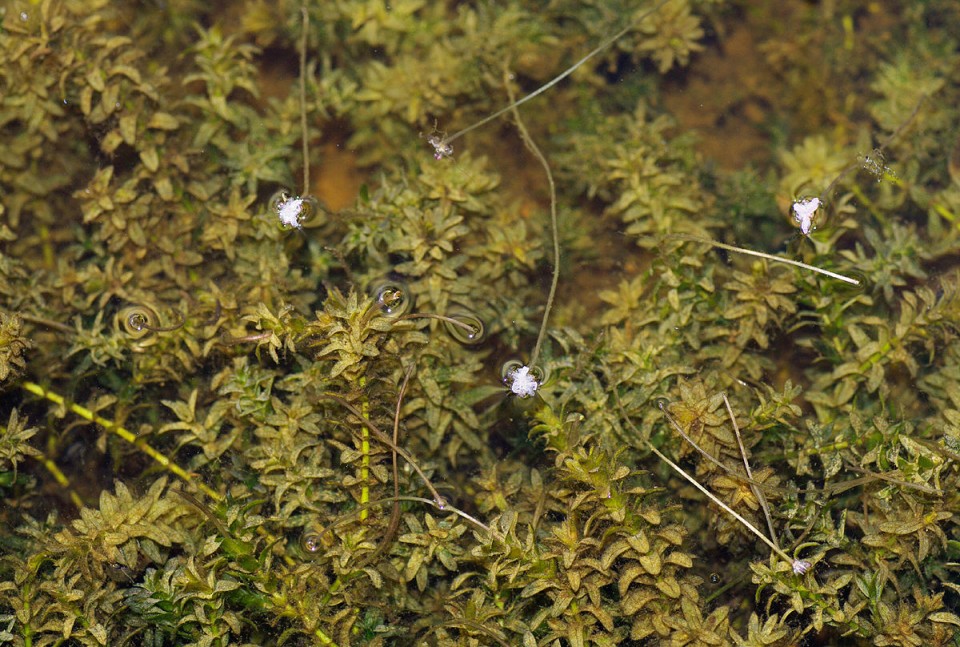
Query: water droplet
x,y
393,299
714,578
466,328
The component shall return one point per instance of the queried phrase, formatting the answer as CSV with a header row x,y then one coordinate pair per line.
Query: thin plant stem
x,y
549,84
879,149
446,507
49,323
62,481
880,476
709,457
710,495
757,491
395,510
168,465
303,98
797,565
439,501
396,499
554,229
364,449
260,336
769,257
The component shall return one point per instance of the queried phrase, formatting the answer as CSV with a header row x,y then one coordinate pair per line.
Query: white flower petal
x,y
803,213
289,211
524,384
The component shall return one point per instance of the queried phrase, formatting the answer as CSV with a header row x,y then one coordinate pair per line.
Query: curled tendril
x,y
392,298
139,321
466,328
311,541
215,317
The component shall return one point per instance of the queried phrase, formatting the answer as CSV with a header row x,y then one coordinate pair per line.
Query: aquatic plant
x,y
233,414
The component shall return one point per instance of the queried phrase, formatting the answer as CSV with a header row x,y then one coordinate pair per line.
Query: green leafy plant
x,y
234,413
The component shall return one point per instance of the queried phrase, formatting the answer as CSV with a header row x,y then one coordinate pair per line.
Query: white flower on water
x,y
522,383
803,212
290,210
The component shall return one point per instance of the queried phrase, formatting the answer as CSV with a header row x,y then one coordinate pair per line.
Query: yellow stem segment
x,y
63,481
365,455
164,462
125,434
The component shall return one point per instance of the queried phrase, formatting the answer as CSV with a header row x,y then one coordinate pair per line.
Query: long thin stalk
x,y
554,229
769,257
757,490
303,100
610,40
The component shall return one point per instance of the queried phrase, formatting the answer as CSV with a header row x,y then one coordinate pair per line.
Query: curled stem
x,y
428,315
446,507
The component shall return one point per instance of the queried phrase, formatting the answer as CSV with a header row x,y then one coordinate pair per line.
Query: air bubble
x,y
465,328
714,578
393,299
859,277
277,199
310,542
311,210
137,321
509,368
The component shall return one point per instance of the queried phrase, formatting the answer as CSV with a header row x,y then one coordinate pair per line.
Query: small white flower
x,y
801,566
523,384
803,212
290,210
